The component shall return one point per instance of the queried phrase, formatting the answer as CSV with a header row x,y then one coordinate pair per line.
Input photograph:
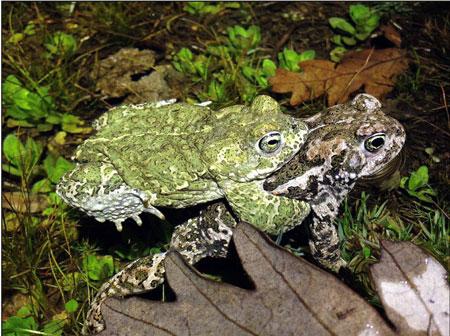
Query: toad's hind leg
x,y
137,277
206,235
97,189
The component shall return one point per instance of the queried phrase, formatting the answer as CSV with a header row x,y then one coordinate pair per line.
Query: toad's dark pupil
x,y
377,142
272,142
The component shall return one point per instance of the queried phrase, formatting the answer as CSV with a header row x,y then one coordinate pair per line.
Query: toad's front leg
x,y
324,240
269,213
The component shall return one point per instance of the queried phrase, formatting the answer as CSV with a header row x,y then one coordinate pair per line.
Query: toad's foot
x,y
97,189
139,276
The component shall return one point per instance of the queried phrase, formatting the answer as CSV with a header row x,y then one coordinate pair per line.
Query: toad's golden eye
x,y
270,142
375,142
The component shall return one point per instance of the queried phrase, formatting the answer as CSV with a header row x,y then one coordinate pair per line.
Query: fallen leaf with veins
x,y
291,297
414,289
372,70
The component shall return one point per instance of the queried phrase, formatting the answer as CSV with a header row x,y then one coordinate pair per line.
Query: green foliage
x,y
22,158
24,324
55,168
195,66
71,306
289,59
417,186
364,21
244,39
29,30
231,65
359,228
205,7
23,161
261,74
98,268
35,108
61,45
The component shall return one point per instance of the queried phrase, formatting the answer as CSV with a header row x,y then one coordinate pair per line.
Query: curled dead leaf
x,y
372,70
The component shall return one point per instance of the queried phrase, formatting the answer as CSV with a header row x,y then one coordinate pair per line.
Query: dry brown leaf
x,y
413,288
373,70
20,202
391,34
309,84
291,297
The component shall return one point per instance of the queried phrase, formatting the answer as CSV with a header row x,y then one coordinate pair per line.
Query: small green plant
x,y
232,65
288,59
22,158
364,21
261,74
25,324
35,108
99,268
243,39
417,186
30,29
54,167
205,7
61,45
195,66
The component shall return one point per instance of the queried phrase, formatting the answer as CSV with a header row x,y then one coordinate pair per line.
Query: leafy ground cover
x,y
54,259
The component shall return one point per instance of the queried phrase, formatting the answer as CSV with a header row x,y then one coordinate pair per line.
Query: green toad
x,y
179,155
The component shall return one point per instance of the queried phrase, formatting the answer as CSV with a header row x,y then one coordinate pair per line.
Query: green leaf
x,y
10,86
244,39
341,24
371,24
359,13
18,325
418,178
24,311
16,38
248,72
44,127
54,119
42,186
13,149
337,53
337,39
216,90
98,267
54,327
34,149
71,306
269,67
56,167
307,55
17,123
61,44
11,169
22,99
185,54
350,41
30,29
